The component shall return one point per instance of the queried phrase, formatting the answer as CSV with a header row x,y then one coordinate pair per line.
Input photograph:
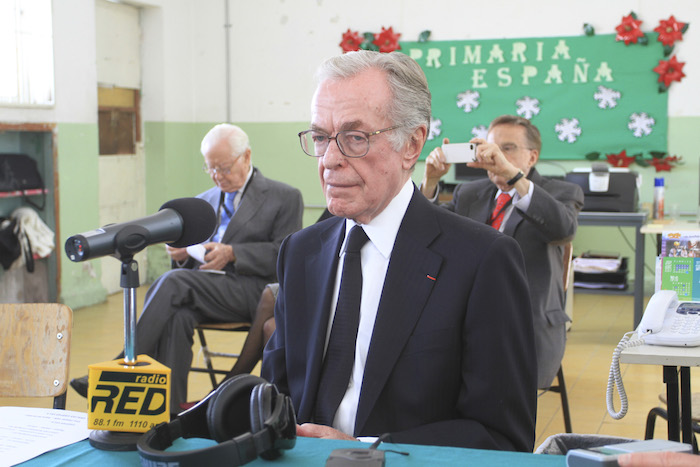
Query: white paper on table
x,y
27,432
197,252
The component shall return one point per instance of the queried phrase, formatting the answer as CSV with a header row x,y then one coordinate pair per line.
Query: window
x,y
26,53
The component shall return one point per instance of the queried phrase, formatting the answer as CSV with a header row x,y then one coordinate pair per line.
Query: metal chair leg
x,y
564,401
207,358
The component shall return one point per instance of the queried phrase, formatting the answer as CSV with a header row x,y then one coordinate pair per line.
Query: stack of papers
x,y
593,265
29,432
605,272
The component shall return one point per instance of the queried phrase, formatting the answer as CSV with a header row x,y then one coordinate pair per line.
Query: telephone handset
x,y
666,321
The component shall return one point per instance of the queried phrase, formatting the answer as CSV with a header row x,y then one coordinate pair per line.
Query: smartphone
x,y
459,152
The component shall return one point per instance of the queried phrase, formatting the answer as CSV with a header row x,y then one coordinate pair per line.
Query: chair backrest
x,y
34,349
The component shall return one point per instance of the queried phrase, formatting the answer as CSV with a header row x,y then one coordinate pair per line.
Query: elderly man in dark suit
x,y
255,214
538,212
431,340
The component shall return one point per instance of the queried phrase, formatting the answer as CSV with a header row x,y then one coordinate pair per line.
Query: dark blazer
x,y
269,211
451,359
541,232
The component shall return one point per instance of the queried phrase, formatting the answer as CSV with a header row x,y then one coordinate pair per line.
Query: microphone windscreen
x,y
198,220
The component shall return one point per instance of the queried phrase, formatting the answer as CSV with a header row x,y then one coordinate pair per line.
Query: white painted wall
x,y
275,46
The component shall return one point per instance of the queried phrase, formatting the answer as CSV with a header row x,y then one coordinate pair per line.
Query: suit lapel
x,y
512,223
483,204
320,268
516,217
254,197
413,269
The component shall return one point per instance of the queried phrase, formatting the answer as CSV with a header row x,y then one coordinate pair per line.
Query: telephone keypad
x,y
687,319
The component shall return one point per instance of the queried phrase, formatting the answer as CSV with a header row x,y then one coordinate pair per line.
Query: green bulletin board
x,y
584,93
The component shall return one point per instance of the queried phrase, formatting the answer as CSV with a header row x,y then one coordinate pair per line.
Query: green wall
x,y
174,169
77,167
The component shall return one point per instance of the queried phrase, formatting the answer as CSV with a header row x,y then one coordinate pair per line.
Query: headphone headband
x,y
268,426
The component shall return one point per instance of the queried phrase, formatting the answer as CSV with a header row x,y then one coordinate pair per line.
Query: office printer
x,y
605,188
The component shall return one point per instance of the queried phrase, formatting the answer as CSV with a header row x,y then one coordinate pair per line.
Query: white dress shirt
x,y
375,255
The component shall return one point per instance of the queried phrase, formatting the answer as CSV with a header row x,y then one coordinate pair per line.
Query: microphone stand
x,y
129,281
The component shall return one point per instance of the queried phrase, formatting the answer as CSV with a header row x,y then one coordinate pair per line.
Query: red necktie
x,y
500,210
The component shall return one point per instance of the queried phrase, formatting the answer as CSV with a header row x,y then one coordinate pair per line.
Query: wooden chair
x,y
207,354
560,387
35,350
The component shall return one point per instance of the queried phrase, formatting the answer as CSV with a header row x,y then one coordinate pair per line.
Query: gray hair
x,y
236,137
410,105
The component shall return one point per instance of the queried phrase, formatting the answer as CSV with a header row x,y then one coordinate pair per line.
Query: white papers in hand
x,y
197,252
27,432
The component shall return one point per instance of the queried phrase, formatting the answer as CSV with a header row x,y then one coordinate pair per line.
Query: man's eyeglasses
x,y
352,143
220,170
511,148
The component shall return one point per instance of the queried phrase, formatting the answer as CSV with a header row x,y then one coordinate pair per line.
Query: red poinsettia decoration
x,y
351,41
670,70
670,31
664,164
662,161
628,30
387,40
621,159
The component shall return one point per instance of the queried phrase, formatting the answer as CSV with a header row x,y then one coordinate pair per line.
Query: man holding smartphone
x,y
538,212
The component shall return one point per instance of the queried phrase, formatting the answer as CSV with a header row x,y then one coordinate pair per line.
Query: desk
x,y
675,225
623,219
671,358
309,451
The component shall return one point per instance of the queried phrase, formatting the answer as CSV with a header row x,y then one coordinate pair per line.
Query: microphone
x,y
179,223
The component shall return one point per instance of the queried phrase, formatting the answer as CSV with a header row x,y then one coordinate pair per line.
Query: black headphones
x,y
247,416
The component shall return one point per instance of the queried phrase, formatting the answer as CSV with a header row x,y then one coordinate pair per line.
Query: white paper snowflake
x,y
568,130
641,124
468,100
480,131
528,107
435,130
606,97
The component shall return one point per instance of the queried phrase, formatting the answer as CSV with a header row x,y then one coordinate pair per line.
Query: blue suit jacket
x,y
451,359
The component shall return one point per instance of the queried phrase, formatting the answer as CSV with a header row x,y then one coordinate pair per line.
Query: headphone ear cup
x,y
228,407
261,400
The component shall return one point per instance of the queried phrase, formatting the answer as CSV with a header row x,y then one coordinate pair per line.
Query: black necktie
x,y
340,355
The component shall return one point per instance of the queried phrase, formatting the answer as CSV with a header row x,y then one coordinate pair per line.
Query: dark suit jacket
x,y
451,359
541,232
269,211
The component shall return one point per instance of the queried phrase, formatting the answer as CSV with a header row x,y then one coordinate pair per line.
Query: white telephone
x,y
666,321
